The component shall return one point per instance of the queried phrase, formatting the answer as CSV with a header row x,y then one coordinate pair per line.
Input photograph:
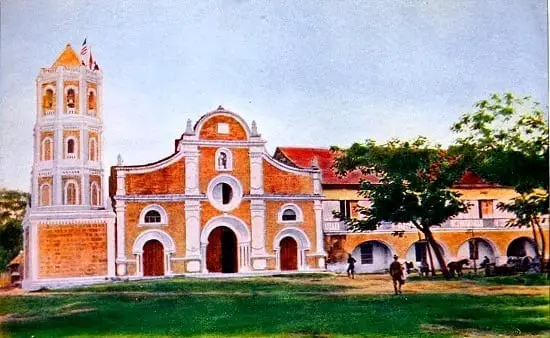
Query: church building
x,y
218,204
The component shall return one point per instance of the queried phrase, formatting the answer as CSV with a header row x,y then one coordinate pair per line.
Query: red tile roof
x,y
303,158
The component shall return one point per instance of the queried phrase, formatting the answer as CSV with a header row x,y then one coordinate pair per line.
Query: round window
x,y
225,192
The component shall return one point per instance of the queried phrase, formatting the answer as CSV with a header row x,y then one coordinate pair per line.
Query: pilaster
x,y
120,209
191,153
192,235
256,171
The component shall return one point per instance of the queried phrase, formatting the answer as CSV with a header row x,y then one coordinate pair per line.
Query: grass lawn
x,y
291,306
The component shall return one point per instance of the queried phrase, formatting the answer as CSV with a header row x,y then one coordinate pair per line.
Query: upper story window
x,y
153,215
71,148
346,209
71,193
224,160
71,98
48,101
290,213
486,208
92,156
95,195
47,149
45,195
91,101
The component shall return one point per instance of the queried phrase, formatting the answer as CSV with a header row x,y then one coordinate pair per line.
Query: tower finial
x,y
189,128
220,107
255,129
119,160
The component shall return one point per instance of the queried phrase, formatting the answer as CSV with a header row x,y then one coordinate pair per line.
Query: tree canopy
x,y
414,187
12,211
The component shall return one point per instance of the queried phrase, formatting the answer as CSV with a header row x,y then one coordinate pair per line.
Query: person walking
x,y
351,267
396,273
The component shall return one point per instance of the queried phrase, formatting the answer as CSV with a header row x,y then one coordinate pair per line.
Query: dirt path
x,y
362,284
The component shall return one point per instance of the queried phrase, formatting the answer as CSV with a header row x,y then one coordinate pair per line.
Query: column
x,y
85,195
243,257
320,245
191,153
82,95
257,211
192,235
58,158
203,255
256,171
120,209
35,264
111,255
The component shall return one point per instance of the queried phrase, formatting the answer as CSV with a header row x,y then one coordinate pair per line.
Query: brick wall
x,y
293,184
241,167
175,227
72,250
273,227
167,180
209,129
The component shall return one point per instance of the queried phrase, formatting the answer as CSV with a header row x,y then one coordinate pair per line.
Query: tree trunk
x,y
543,246
432,267
438,254
535,240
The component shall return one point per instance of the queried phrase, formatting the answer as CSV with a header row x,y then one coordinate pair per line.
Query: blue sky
x,y
310,73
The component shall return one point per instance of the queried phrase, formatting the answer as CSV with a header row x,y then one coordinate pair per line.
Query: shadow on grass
x,y
292,284
520,279
275,314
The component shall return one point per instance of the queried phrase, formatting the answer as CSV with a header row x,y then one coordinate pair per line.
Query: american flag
x,y
84,49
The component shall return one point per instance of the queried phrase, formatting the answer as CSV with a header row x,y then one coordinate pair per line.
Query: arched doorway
x,y
521,247
476,249
221,251
289,254
153,258
418,252
372,256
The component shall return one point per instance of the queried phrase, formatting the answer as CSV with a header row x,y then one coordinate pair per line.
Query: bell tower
x,y
67,179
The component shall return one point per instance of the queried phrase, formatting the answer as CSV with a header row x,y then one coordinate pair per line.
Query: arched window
x,y
47,150
152,216
224,160
95,194
45,198
48,101
91,100
71,99
71,193
289,215
93,150
71,148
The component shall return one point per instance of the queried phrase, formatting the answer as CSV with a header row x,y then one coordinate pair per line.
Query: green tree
x,y
507,139
12,211
414,187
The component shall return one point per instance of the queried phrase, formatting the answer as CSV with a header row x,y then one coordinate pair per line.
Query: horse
x,y
457,267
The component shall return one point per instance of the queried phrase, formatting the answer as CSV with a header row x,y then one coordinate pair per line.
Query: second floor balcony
x,y
335,226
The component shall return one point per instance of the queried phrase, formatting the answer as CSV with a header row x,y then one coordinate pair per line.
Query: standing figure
x,y
222,161
351,267
396,273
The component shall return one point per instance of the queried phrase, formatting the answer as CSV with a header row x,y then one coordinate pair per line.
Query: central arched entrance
x,y
153,258
221,251
289,254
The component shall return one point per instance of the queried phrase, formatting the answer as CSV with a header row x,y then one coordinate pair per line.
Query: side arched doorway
x,y
476,249
221,251
153,258
521,247
372,256
289,254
